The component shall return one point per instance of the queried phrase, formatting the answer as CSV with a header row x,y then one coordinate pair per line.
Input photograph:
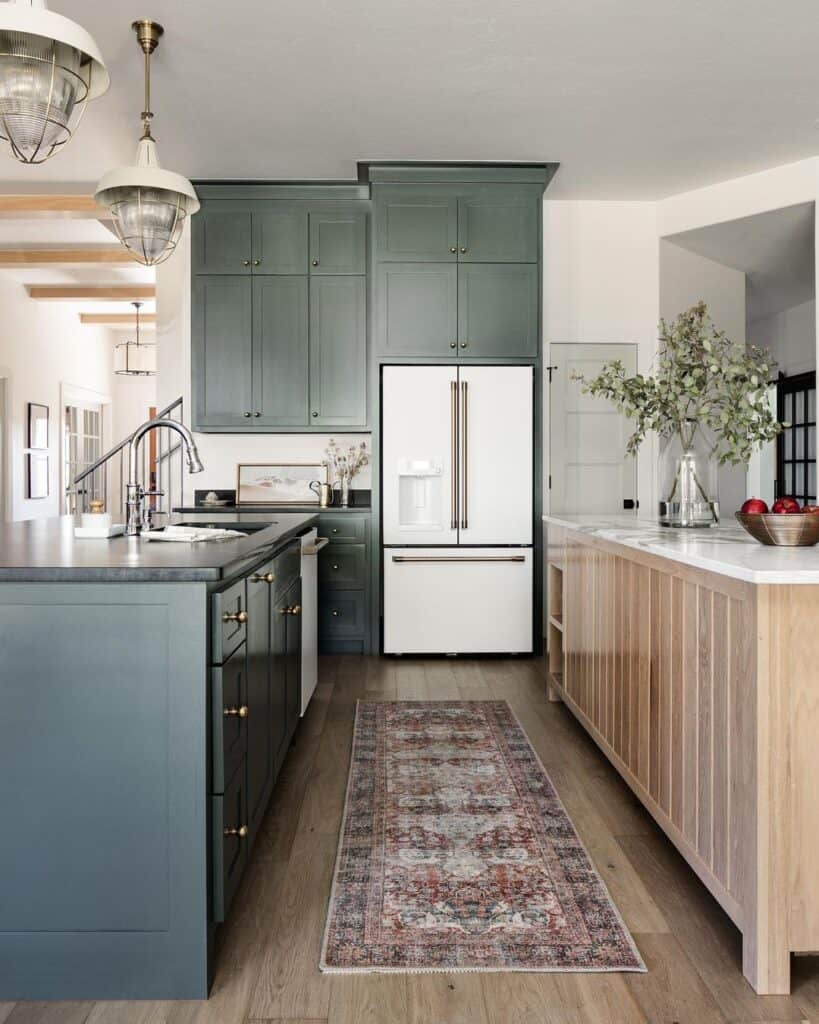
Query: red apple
x,y
754,507
786,506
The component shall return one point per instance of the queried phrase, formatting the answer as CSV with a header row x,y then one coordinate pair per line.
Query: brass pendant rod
x,y
148,34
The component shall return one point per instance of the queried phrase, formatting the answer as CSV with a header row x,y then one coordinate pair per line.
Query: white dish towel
x,y
191,534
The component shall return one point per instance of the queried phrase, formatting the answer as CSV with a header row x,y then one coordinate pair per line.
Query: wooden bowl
x,y
799,530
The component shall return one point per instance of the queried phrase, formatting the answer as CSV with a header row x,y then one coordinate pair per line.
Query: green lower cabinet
x,y
338,352
344,572
416,309
498,310
230,842
265,723
280,351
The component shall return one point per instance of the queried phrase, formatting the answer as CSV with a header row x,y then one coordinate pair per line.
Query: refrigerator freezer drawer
x,y
457,600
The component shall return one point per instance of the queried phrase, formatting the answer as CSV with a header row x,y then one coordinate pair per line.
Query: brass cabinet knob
x,y
234,617
257,414
453,344
256,263
240,833
464,344
266,577
296,609
315,263
335,567
336,613
315,415
463,248
246,263
241,712
247,415
335,529
453,248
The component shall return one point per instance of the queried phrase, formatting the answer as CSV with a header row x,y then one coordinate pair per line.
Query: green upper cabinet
x,y
416,309
280,351
497,225
221,352
498,310
222,238
338,243
279,238
419,223
338,351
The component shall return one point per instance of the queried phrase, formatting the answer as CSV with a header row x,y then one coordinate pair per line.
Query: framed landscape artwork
x,y
279,484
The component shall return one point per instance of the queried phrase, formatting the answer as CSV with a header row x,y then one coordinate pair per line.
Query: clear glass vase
x,y
344,491
687,476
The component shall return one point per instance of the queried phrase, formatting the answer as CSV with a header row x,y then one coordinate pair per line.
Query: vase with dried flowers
x,y
344,464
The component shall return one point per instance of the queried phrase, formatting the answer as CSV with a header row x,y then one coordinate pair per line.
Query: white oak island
x,y
692,659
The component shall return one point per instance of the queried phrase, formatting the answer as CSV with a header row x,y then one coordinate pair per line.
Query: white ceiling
x,y
636,99
775,250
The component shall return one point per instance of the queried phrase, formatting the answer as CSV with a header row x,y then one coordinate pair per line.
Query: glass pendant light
x,y
148,204
135,358
50,68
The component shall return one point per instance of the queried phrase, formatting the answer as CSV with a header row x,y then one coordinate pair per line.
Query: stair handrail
x,y
78,479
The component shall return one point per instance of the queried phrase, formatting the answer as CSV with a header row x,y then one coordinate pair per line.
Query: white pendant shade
x,y
50,67
148,205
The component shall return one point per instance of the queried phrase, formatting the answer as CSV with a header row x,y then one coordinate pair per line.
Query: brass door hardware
x,y
235,617
241,712
453,429
293,609
240,833
463,248
453,248
459,558
267,577
465,469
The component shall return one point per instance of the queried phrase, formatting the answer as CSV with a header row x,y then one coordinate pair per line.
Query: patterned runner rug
x,y
456,854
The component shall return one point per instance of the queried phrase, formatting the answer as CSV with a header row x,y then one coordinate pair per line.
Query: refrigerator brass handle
x,y
465,470
453,426
459,558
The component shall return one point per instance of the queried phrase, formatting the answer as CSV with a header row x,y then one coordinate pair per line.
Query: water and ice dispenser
x,y
420,495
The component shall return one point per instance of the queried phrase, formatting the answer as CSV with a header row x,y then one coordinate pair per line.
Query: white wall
x,y
790,336
685,279
601,285
42,347
220,453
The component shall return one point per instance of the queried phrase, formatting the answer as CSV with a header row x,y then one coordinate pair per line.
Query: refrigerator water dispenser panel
x,y
420,497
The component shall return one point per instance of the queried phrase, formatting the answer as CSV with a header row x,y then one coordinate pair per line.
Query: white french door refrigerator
x,y
457,493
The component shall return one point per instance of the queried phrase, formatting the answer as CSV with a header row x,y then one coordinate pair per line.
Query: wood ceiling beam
x,y
98,256
91,293
44,207
118,319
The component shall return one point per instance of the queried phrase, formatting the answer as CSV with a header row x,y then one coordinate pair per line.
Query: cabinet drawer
x,y
343,566
343,613
229,618
230,712
287,567
230,842
344,528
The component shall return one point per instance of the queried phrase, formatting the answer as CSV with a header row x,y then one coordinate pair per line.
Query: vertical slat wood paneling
x,y
677,706
691,704
598,598
721,736
643,584
625,660
634,665
664,681
705,717
612,681
742,753
655,584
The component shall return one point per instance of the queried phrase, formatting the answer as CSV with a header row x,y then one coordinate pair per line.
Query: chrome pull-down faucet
x,y
133,490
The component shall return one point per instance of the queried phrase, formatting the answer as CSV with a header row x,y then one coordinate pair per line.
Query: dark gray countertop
x,y
46,551
233,510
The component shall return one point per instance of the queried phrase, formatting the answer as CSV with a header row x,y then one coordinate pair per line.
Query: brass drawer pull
x,y
267,577
240,833
240,617
294,609
241,712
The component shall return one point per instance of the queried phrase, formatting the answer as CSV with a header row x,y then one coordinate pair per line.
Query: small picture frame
x,y
36,475
283,483
37,426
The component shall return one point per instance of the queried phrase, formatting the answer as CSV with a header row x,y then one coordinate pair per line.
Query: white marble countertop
x,y
727,550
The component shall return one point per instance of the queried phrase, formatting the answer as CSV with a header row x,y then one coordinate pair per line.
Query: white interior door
x,y
588,466
419,454
496,409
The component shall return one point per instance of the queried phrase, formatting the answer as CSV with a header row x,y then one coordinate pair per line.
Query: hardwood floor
x,y
269,948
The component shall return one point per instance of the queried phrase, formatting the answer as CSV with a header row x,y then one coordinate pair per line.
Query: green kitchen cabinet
x,y
338,351
265,723
222,239
344,582
338,242
221,352
279,239
416,309
416,224
498,225
498,310
280,351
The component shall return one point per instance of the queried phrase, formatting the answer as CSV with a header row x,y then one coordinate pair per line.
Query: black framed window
x,y
796,445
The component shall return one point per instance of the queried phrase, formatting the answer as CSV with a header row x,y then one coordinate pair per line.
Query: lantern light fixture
x,y
50,68
135,358
148,204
